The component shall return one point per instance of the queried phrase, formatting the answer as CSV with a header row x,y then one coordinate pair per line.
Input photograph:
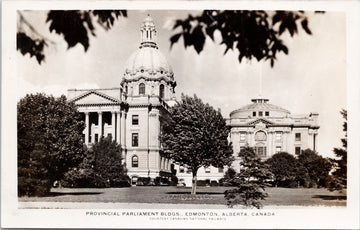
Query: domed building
x,y
132,113
270,129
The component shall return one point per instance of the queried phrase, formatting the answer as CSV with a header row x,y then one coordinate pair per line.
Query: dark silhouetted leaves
x,y
34,47
71,24
74,25
255,34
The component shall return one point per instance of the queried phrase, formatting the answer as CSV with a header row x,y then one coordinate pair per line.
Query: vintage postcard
x,y
180,114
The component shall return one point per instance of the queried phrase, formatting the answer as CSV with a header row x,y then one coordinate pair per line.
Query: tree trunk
x,y
194,182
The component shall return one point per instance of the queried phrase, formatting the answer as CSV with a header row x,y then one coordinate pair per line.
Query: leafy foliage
x,y
339,181
250,181
49,141
283,166
255,34
74,25
196,135
316,167
102,167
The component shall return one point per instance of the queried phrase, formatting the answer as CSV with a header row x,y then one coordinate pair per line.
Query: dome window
x,y
161,72
161,91
142,70
141,89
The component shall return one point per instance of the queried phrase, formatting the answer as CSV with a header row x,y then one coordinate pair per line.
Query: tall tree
x,y
196,135
250,181
49,141
339,181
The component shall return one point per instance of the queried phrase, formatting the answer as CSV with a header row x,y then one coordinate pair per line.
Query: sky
x,y
311,78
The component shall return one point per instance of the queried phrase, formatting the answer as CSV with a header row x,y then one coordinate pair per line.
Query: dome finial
x,y
148,33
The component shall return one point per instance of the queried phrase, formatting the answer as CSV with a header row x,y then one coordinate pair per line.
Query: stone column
x,y
100,125
87,128
123,129
118,127
113,125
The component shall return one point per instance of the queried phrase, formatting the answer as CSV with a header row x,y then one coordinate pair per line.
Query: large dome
x,y
259,105
148,62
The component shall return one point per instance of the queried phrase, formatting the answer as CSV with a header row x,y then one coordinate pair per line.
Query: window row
x,y
161,90
261,113
261,136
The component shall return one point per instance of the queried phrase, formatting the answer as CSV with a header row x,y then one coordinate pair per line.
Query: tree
x,y
317,168
250,181
339,176
255,34
196,135
102,167
49,141
74,25
283,166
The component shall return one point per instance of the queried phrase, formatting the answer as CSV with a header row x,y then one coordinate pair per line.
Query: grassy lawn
x,y
180,195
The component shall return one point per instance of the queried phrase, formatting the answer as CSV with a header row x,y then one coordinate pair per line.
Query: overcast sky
x,y
311,78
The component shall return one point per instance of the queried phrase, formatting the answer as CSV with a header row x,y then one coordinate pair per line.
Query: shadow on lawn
x,y
327,197
73,193
197,193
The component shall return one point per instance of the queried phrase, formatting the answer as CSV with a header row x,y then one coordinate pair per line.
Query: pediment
x,y
94,97
260,122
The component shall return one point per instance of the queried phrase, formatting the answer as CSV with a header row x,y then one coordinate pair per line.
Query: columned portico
x,y
118,127
113,125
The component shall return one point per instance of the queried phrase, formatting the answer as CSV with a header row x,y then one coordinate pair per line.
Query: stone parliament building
x,y
132,116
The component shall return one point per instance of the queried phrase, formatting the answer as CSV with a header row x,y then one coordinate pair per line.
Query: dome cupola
x,y
148,62
147,72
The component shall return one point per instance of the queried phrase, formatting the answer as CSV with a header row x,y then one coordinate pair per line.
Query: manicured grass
x,y
176,195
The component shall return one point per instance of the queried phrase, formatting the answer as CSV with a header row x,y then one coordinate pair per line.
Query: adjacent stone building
x,y
270,129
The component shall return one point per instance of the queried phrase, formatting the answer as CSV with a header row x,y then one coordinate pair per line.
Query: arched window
x,y
141,89
135,161
161,91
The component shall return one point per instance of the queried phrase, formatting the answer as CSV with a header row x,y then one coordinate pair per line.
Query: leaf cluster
x,y
255,34
195,134
74,25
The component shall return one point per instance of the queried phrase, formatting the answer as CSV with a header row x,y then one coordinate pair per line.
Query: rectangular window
x,y
242,136
135,139
297,136
254,114
261,151
96,137
109,135
260,113
278,136
278,149
267,113
181,169
135,119
221,169
297,150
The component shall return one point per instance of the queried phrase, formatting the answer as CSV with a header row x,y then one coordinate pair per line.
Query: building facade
x,y
132,113
270,129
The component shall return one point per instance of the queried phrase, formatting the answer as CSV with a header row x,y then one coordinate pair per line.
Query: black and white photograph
x,y
180,114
